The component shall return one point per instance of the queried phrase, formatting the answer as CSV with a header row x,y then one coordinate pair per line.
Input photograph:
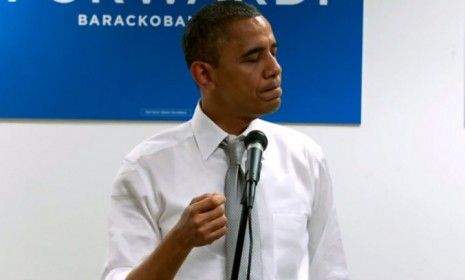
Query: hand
x,y
202,222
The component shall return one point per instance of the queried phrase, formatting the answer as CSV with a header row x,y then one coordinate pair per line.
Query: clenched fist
x,y
203,221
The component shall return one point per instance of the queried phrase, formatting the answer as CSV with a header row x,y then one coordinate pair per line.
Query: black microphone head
x,y
256,136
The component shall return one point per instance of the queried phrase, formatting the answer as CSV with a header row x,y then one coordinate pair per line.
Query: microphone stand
x,y
248,197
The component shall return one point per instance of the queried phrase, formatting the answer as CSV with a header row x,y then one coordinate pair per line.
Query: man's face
x,y
247,80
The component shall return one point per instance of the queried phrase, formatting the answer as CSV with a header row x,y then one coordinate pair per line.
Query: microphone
x,y
255,143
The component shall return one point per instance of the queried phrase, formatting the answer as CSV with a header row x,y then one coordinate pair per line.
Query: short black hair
x,y
208,28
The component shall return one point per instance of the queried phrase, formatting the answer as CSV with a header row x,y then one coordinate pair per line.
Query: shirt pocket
x,y
290,240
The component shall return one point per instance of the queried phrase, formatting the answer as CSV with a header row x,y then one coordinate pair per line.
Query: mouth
x,y
271,92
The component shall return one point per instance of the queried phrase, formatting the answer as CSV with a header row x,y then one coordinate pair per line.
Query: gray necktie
x,y
234,186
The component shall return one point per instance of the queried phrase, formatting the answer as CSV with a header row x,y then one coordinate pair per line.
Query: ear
x,y
202,74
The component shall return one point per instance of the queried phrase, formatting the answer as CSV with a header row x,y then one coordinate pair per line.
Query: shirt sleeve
x,y
133,232
326,254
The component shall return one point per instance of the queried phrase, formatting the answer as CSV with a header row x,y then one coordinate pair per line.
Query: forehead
x,y
250,31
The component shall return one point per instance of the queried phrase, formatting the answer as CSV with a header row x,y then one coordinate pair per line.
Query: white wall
x,y
399,177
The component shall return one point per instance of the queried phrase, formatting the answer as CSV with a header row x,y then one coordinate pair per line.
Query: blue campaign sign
x,y
122,60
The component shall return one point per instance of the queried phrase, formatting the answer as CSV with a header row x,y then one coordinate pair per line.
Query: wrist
x,y
179,241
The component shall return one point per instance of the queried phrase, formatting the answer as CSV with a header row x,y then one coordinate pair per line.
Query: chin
x,y
270,107
274,105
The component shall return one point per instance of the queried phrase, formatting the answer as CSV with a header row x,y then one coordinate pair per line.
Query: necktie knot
x,y
234,148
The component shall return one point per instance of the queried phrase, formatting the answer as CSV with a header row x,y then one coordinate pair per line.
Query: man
x,y
168,216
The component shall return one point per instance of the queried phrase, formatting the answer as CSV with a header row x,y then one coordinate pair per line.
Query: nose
x,y
273,69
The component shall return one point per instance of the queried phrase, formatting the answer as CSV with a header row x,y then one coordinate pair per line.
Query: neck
x,y
229,122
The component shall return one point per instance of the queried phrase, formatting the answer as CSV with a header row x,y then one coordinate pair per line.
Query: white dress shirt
x,y
299,233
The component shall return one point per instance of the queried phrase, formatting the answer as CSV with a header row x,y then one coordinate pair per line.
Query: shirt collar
x,y
208,135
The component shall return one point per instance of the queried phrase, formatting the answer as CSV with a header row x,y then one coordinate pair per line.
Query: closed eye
x,y
253,55
251,58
